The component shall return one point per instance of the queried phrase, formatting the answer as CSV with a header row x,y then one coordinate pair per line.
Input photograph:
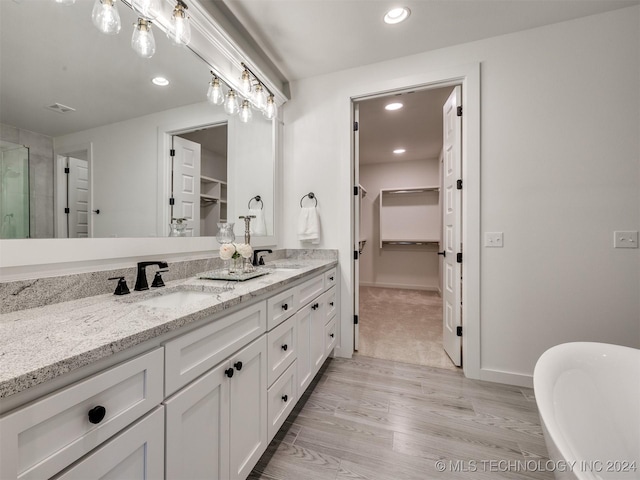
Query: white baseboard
x,y
509,378
401,286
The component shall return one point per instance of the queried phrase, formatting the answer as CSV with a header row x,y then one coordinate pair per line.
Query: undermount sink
x,y
175,297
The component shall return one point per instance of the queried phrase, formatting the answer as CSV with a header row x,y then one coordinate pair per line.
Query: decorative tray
x,y
223,274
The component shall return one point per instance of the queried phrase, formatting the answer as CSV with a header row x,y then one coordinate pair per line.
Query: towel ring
x,y
312,196
257,199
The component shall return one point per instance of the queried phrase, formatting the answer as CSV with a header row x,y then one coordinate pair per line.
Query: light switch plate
x,y
493,239
624,239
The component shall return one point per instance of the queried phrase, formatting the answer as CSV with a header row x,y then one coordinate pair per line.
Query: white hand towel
x,y
258,226
309,225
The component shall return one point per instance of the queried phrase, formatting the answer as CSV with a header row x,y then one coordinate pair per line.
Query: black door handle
x,y
443,253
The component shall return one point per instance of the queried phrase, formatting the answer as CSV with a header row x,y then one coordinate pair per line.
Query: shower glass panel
x,y
14,190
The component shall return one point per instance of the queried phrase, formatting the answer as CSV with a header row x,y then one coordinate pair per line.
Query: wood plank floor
x,y
366,418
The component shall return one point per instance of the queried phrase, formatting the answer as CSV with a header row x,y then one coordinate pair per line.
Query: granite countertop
x,y
42,343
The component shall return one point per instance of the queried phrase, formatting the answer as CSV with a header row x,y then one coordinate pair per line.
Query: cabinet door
x,y
303,324
197,429
318,321
282,350
135,454
248,408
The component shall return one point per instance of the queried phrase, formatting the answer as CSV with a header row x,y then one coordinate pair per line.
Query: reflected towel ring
x,y
257,198
312,196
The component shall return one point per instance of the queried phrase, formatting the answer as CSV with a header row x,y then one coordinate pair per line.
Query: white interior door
x,y
186,184
356,226
451,297
78,198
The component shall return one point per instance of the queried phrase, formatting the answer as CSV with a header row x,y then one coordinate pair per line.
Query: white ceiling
x,y
305,38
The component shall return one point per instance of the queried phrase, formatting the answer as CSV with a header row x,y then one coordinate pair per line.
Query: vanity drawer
x,y
330,278
332,304
41,439
331,336
192,354
281,399
311,289
281,306
282,351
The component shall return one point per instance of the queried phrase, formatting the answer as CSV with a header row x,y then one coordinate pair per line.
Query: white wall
x,y
559,173
395,267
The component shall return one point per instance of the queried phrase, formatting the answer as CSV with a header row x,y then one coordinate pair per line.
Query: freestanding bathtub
x,y
588,395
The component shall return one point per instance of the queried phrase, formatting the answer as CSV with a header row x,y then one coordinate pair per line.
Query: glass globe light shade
x,y
142,40
105,17
246,82
215,94
231,104
147,9
271,110
179,31
259,97
245,112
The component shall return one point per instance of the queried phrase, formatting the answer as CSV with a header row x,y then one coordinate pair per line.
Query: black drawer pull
x,y
238,366
331,303
315,306
96,414
229,372
285,398
285,307
332,335
284,347
331,278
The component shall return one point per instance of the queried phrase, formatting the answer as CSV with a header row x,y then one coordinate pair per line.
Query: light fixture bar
x,y
244,65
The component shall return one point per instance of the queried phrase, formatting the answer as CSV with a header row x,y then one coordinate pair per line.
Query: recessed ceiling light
x,y
160,81
397,15
393,106
399,150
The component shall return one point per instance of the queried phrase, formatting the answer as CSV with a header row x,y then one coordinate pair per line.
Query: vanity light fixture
x,y
271,110
142,40
231,103
160,81
397,15
105,16
393,106
179,31
215,95
245,112
147,9
246,81
398,151
259,97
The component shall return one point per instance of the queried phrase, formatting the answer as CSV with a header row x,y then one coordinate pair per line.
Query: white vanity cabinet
x,y
216,426
46,436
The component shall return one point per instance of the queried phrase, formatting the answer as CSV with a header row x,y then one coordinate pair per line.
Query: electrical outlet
x,y
625,239
493,239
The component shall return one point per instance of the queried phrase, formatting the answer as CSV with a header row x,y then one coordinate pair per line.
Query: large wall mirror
x,y
99,134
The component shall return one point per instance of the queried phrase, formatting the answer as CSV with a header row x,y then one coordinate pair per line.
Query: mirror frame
x,y
29,258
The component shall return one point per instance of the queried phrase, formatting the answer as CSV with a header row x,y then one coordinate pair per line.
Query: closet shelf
x,y
400,191
205,179
410,242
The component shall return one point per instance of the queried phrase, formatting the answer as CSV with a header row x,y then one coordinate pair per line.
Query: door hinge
x,y
355,254
172,201
459,111
172,152
459,331
66,210
459,257
355,319
356,126
459,184
356,190
67,170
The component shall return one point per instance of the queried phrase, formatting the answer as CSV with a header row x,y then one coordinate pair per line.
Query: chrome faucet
x,y
141,279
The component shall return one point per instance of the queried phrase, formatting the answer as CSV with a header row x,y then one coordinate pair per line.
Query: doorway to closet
x,y
400,172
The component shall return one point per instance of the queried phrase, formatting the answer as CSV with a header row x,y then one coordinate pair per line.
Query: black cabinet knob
x,y
285,398
285,307
331,303
238,366
314,306
284,347
331,278
229,372
332,335
96,414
